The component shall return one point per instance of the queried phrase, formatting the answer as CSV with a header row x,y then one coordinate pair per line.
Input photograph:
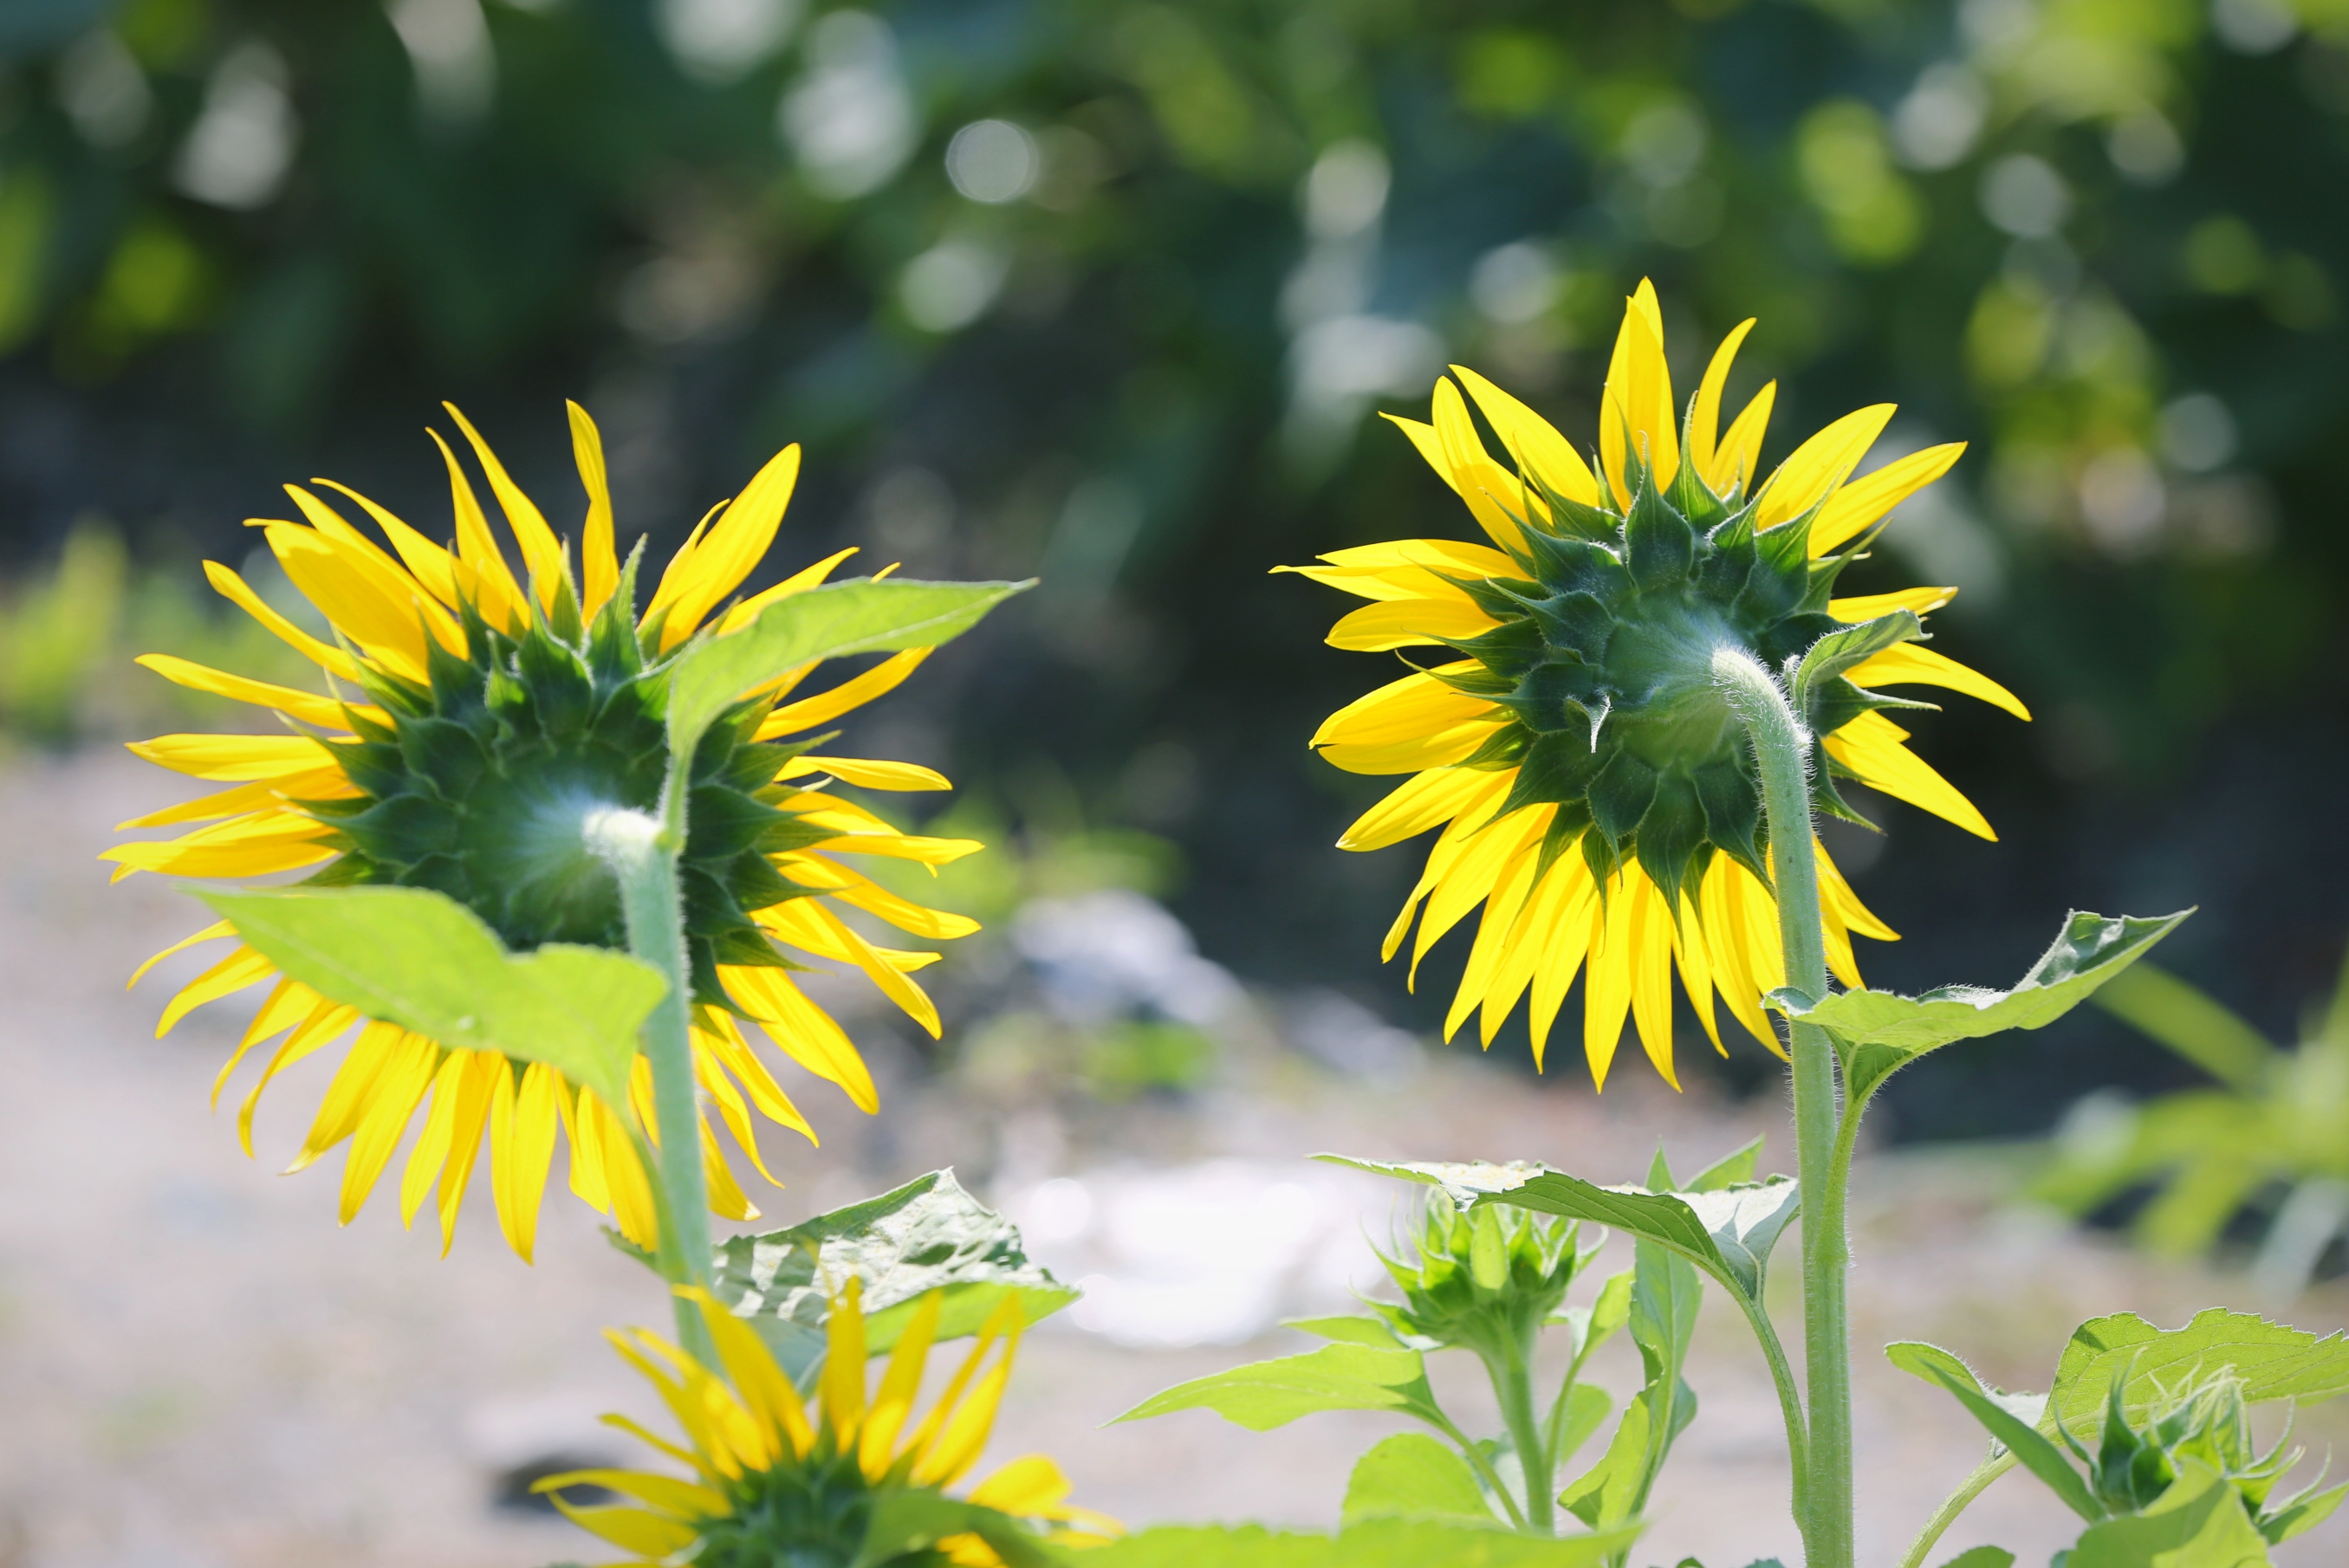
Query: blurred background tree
x,y
1108,290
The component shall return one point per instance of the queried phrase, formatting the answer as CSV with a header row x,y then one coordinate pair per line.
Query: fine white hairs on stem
x,y
619,836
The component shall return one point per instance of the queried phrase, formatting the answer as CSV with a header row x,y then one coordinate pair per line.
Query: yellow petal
x,y
800,582
1533,441
868,775
233,973
630,1529
1704,418
804,1031
542,556
1738,459
599,560
232,588
1408,623
1819,464
1860,503
476,1094
482,575
1434,796
893,1400
1870,746
843,1378
1907,664
211,932
391,1105
1869,607
729,1050
432,566
1607,984
522,1145
307,707
1637,419
388,627
1483,483
1430,444
808,713
696,582
234,757
1416,705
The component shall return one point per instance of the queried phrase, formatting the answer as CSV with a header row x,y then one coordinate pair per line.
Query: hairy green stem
x,y
1512,1385
643,855
1953,1505
1782,749
1790,1399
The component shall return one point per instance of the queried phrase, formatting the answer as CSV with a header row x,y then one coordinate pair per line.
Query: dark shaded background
x,y
1130,335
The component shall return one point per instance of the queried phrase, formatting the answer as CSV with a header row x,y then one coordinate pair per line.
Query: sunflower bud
x,y
1485,1280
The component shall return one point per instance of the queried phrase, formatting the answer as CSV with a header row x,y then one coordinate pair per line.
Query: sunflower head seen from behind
x,y
1597,796
774,1481
471,721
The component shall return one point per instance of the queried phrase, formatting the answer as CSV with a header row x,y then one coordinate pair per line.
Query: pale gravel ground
x,y
198,1371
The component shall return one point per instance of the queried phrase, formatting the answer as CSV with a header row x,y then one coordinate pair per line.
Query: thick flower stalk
x,y
1596,794
474,725
776,1482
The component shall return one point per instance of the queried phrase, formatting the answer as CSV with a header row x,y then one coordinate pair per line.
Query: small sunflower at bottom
x,y
776,1483
1597,796
471,722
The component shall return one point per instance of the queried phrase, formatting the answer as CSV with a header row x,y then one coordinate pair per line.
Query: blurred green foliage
x,y
69,630
2269,1145
1110,289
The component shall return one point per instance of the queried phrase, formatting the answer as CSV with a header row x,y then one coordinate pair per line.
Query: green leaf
x,y
1413,1476
1608,1488
2190,1022
1372,1543
2022,1438
421,960
1728,1231
1731,1169
1370,1331
1838,651
929,1234
910,1520
1982,1557
2196,1523
856,616
1267,1394
1880,1032
1585,1406
1607,1313
2274,1361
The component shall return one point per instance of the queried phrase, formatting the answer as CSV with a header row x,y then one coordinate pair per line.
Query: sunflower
x,y
1595,793
468,723
770,1485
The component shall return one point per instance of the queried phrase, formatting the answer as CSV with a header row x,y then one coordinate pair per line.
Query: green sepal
x,y
1840,651
1671,834
1660,546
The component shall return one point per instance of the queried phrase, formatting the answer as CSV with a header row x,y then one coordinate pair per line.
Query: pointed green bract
x,y
421,960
